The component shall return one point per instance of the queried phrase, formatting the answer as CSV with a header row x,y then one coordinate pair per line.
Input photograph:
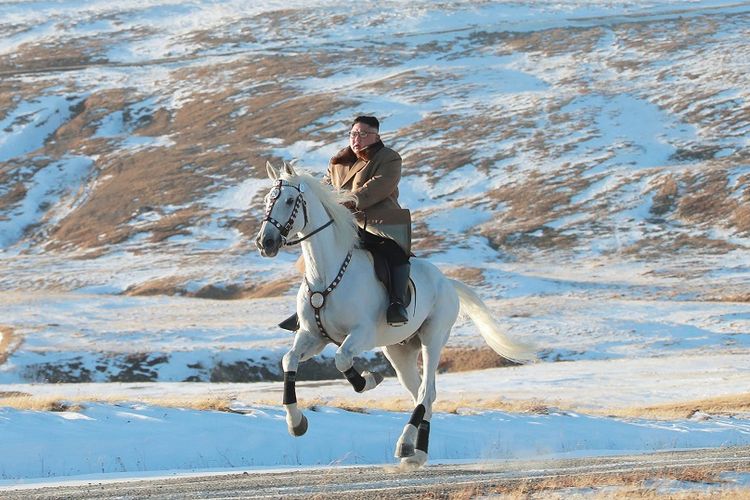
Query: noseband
x,y
284,229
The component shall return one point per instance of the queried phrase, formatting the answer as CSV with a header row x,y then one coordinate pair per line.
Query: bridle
x,y
317,299
284,229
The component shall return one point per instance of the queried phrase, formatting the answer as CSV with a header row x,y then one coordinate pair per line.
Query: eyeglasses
x,y
362,135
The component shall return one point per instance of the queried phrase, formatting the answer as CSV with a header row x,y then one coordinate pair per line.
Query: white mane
x,y
344,224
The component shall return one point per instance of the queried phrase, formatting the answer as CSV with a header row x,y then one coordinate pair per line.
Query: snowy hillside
x,y
556,156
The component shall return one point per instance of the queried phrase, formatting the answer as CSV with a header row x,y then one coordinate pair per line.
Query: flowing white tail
x,y
476,309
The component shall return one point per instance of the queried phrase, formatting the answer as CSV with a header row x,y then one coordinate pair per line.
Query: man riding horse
x,y
371,172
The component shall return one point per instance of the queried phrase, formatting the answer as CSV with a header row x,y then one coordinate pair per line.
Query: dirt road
x,y
436,481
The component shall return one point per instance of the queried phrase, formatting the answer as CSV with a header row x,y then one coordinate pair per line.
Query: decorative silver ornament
x,y
317,300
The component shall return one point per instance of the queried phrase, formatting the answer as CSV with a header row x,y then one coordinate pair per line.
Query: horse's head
x,y
284,204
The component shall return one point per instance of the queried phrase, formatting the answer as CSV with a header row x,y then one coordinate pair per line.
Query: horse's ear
x,y
272,172
289,169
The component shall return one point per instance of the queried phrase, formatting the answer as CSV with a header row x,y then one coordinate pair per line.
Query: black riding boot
x,y
397,314
291,323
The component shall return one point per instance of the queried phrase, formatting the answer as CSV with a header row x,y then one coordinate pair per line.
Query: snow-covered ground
x,y
132,437
121,434
617,329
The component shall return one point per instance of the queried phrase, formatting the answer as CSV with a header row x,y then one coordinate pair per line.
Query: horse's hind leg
x,y
417,431
306,345
403,358
433,335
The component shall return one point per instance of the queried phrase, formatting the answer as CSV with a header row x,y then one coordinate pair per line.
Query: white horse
x,y
342,301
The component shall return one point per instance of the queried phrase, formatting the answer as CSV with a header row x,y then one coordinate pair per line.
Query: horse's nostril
x,y
268,242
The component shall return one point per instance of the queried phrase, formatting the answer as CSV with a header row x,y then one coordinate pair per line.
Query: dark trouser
x,y
389,248
398,264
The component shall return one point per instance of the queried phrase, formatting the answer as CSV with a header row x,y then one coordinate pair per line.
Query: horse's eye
x,y
289,201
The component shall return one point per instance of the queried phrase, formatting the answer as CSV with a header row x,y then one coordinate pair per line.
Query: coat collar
x,y
347,157
369,153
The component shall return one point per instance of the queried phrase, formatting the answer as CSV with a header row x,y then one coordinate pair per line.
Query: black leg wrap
x,y
290,395
423,436
417,415
354,378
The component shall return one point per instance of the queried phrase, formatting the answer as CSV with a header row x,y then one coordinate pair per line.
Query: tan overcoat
x,y
374,182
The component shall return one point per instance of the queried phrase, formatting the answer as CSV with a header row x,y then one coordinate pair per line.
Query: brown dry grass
x,y
212,141
473,276
654,247
9,342
549,42
24,401
173,285
209,138
706,198
667,190
620,485
739,297
740,218
723,405
727,405
404,404
462,359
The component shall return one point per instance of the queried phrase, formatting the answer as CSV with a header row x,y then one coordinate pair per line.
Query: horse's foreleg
x,y
353,345
306,345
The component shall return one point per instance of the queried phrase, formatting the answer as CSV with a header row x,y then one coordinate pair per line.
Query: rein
x,y
300,240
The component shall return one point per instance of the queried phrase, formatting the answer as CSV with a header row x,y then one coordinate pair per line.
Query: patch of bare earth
x,y
740,297
51,56
174,286
134,191
640,485
461,359
9,342
734,405
222,127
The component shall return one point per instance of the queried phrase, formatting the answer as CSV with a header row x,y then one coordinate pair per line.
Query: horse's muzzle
x,y
267,245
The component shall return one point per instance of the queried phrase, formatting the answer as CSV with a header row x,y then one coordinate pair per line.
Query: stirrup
x,y
291,323
397,315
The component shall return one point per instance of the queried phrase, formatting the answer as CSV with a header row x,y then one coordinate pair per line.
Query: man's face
x,y
362,135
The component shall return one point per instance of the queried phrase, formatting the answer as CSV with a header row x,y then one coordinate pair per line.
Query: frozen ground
x,y
135,437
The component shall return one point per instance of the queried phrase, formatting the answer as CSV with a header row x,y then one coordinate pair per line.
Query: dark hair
x,y
367,120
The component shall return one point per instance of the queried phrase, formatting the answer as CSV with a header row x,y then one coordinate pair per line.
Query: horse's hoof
x,y
405,450
414,462
372,380
299,429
